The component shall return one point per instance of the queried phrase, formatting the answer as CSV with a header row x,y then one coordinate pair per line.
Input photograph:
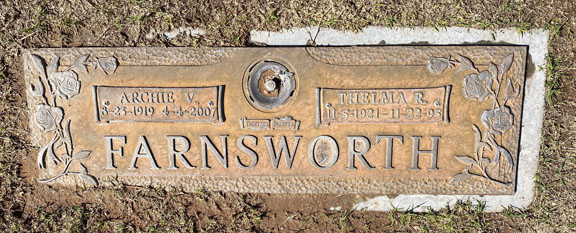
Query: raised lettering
x,y
147,154
342,95
401,98
389,147
134,96
124,98
334,149
252,153
173,153
416,153
207,144
419,98
354,153
170,97
288,156
110,150
386,100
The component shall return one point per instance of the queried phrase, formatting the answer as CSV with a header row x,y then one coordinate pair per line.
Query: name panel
x,y
378,119
417,105
157,104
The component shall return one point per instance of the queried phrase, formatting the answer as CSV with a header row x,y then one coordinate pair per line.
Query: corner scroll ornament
x,y
63,84
481,86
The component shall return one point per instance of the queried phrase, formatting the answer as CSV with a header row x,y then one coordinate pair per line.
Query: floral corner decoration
x,y
48,117
483,86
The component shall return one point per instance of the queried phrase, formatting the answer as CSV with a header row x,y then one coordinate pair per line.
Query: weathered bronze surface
x,y
385,119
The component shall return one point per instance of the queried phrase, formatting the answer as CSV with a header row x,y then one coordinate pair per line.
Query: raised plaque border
x,y
532,115
243,183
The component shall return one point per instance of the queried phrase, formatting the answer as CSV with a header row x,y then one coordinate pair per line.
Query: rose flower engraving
x,y
66,83
498,120
479,85
437,65
476,86
48,118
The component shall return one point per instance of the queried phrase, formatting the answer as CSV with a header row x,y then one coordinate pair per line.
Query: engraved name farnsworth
x,y
383,119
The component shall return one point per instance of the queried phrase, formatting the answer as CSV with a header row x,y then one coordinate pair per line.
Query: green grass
x,y
552,80
147,209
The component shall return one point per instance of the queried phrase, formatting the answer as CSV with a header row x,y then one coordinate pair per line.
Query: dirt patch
x,y
29,206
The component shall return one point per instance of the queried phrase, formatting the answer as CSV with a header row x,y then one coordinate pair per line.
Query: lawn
x,y
29,206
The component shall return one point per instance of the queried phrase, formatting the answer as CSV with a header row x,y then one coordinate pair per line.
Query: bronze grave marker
x,y
378,119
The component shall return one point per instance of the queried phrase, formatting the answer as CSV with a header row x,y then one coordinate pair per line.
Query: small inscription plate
x,y
378,119
415,105
154,104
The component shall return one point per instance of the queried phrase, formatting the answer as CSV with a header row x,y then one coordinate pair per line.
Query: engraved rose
x,y
108,64
66,83
437,65
476,86
48,118
498,120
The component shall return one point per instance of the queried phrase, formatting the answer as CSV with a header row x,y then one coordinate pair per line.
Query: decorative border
x,y
531,117
63,83
48,54
481,86
144,56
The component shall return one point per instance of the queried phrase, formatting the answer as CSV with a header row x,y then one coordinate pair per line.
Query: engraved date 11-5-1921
x,y
384,105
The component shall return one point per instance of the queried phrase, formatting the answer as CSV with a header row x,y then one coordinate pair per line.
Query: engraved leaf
x,y
84,169
480,148
53,67
82,155
461,68
39,64
89,179
506,63
108,64
465,63
38,89
67,138
81,59
493,69
465,159
512,92
41,155
79,63
465,60
477,136
508,156
82,68
495,148
59,144
496,155
509,88
485,161
461,177
50,153
46,150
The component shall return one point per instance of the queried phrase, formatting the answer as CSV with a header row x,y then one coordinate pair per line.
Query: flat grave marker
x,y
367,119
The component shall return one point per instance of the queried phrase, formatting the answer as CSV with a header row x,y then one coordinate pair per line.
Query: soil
x,y
27,205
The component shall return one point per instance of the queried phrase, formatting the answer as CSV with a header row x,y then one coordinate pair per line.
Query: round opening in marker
x,y
269,85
